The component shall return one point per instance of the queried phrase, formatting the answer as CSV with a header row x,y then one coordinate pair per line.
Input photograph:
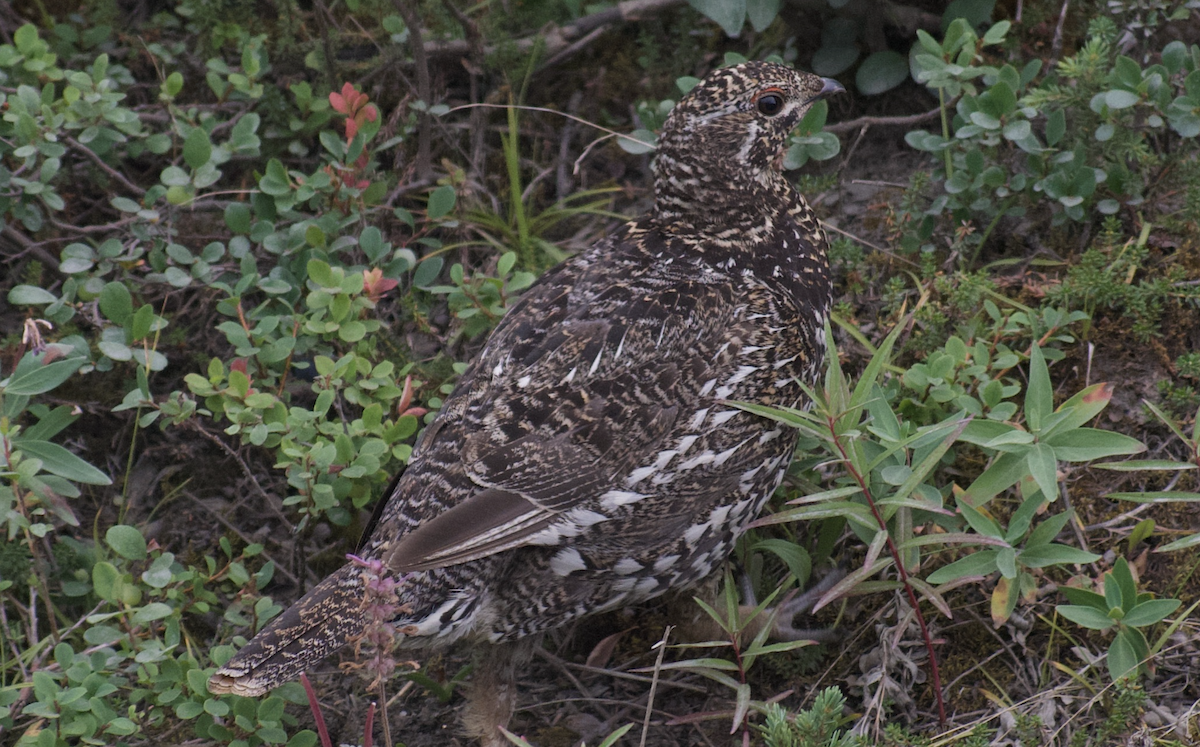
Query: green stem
x,y
988,232
512,162
945,132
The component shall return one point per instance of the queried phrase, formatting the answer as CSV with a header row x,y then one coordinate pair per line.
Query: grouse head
x,y
723,144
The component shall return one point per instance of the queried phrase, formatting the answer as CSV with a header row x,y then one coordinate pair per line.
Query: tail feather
x,y
326,619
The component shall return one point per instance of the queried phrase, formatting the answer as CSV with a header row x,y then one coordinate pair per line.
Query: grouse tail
x,y
327,618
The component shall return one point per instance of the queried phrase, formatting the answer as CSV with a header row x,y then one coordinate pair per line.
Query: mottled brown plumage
x,y
590,458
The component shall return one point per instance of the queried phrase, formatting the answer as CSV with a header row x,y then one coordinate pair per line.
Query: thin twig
x,y
851,125
478,61
96,159
555,39
864,242
662,650
1056,45
424,90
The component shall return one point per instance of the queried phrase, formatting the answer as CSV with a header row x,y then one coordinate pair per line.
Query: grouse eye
x,y
770,102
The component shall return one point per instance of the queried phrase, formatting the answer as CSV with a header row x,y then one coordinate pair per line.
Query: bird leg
x,y
697,625
784,615
492,692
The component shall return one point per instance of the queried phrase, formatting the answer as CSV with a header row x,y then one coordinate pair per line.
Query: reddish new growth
x,y
375,284
354,105
404,406
381,603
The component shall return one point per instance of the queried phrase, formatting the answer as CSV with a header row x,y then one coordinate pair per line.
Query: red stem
x,y
369,726
934,674
315,707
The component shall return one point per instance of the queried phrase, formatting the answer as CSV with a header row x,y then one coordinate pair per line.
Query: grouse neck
x,y
721,199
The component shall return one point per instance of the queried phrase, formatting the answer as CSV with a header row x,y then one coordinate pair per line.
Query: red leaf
x,y
374,283
407,394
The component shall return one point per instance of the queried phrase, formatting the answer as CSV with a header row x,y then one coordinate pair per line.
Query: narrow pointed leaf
x,y
1085,444
1088,617
1054,554
1039,395
980,563
922,470
1123,660
1148,613
1181,544
1161,496
1044,468
1081,408
1136,465
1000,476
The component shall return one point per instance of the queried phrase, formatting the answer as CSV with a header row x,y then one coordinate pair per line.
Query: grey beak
x,y
831,87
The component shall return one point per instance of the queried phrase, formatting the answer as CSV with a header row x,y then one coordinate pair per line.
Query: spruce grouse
x,y
591,458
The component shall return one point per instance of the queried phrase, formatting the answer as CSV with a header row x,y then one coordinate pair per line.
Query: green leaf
x,y
441,202
1150,612
1045,532
1013,437
57,460
1018,523
882,71
1124,578
1081,408
126,541
1120,99
1002,475
1006,561
30,295
116,303
1083,444
1161,496
151,612
1056,127
303,738
1181,544
106,580
322,274
427,272
611,739
834,59
1084,598
997,32
238,217
762,12
1088,617
1123,659
979,563
1041,556
141,322
31,377
1039,396
796,557
728,14
197,148
352,331
1044,468
638,142
1135,465
51,424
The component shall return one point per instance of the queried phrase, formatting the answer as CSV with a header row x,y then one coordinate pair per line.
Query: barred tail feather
x,y
326,619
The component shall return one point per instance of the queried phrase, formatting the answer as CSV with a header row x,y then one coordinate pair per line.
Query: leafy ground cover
x,y
249,247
